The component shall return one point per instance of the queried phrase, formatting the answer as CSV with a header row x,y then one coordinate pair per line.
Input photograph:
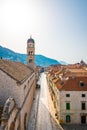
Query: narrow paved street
x,y
41,115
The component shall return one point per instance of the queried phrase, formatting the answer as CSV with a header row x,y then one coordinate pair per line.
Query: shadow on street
x,y
75,127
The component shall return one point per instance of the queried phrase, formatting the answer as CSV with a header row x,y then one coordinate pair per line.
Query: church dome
x,y
30,40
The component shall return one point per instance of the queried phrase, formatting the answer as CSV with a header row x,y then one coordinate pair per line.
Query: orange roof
x,y
75,84
69,79
78,70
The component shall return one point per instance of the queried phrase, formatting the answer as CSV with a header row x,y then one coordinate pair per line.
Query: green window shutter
x,y
68,106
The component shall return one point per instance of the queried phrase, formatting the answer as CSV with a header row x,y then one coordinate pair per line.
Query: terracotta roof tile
x,y
75,84
16,70
77,72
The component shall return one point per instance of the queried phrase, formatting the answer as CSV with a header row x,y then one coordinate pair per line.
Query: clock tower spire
x,y
30,52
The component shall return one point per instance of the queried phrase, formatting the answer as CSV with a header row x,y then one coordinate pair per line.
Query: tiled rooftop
x,y
69,79
76,72
76,84
16,70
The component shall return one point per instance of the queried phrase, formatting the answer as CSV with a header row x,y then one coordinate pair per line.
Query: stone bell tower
x,y
30,52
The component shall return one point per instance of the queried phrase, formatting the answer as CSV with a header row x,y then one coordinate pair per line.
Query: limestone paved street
x,y
43,114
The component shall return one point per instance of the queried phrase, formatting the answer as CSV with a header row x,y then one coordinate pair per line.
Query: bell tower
x,y
30,52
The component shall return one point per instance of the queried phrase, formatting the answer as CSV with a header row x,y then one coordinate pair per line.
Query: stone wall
x,y
27,102
10,116
8,87
23,95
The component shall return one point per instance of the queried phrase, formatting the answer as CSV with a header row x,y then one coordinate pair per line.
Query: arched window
x,y
12,126
32,53
28,82
30,60
29,53
24,86
68,118
25,121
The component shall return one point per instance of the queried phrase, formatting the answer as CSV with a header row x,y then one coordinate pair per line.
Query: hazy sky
x,y
59,27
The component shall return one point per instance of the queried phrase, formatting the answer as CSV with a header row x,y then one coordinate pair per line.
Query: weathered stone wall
x,y
12,120
27,101
23,95
8,87
10,116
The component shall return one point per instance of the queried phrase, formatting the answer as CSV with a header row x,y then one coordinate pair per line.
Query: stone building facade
x,y
17,87
73,101
68,89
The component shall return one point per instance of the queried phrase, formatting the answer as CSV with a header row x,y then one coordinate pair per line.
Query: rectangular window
x,y
67,106
83,106
83,95
24,86
67,95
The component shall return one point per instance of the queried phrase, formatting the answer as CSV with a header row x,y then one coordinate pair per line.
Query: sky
x,y
59,27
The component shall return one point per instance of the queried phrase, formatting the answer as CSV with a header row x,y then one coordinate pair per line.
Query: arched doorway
x,y
25,121
68,119
83,119
12,126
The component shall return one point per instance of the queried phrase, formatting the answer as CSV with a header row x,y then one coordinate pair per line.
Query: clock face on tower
x,y
30,45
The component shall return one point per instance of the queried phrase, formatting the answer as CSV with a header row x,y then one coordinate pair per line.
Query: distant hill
x,y
45,61
40,60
